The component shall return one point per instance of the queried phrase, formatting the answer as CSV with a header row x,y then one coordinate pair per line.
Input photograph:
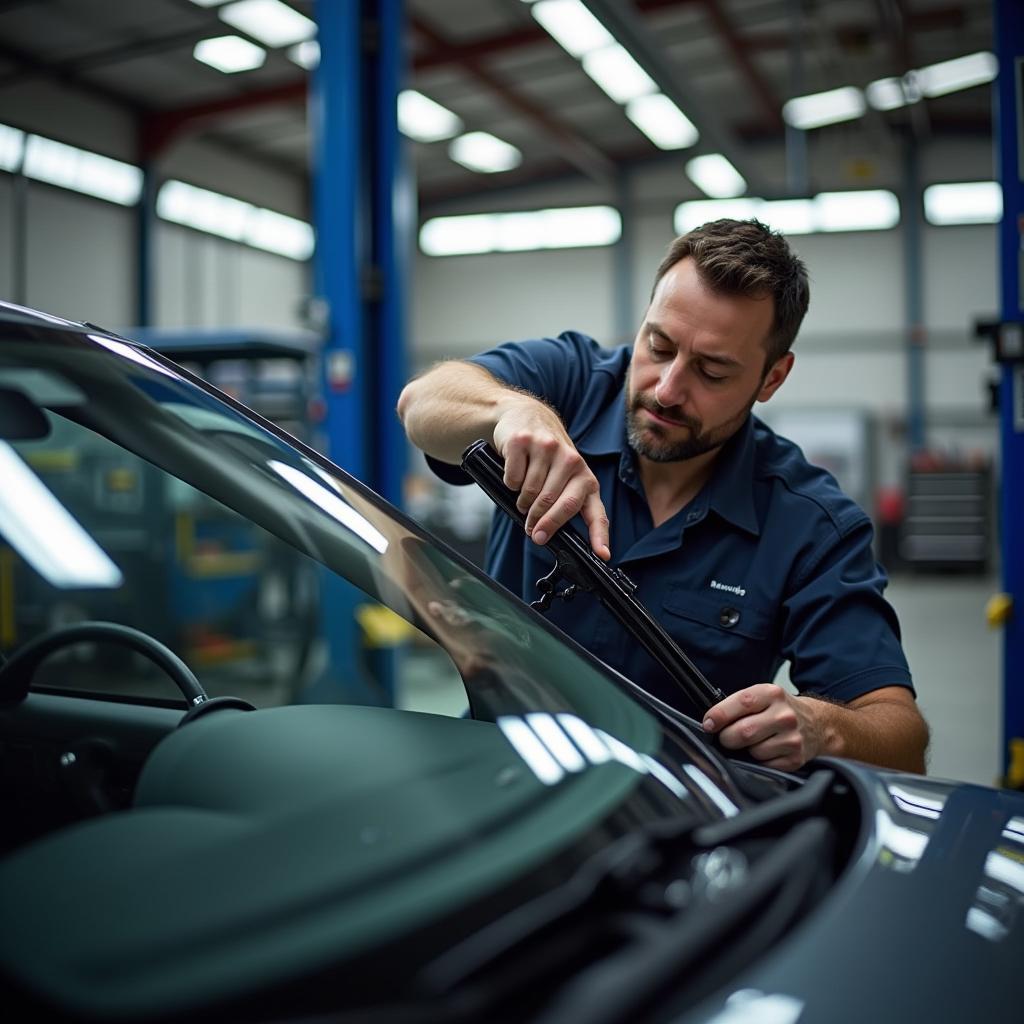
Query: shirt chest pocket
x,y
730,638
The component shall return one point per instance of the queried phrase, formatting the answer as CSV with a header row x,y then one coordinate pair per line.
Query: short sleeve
x,y
556,370
840,635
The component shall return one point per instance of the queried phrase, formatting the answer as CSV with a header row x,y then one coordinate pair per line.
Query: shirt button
x,y
728,617
692,516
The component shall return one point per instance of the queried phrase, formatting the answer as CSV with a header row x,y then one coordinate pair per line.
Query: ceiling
x,y
731,64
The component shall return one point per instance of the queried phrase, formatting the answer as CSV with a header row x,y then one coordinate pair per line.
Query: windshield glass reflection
x,y
260,563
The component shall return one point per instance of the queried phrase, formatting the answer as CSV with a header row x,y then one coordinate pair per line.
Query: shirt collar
x,y
606,435
731,488
730,491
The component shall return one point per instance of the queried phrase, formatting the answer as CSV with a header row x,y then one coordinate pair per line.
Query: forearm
x,y
453,405
880,730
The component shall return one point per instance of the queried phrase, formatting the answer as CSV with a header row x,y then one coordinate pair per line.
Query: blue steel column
x,y
394,207
913,289
359,274
1009,37
336,121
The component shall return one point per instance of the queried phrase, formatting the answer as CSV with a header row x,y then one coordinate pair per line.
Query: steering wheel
x,y
16,674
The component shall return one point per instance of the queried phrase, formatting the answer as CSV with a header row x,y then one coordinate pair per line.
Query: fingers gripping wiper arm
x,y
581,569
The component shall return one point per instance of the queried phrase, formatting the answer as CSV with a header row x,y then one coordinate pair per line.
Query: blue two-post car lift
x,y
1009,344
363,204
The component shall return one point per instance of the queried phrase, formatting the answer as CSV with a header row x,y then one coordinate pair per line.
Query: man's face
x,y
698,366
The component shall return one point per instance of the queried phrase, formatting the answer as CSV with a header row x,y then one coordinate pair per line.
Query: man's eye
x,y
711,376
661,353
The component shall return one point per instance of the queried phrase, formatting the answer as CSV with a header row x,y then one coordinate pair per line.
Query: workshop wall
x,y
204,281
81,263
460,301
81,252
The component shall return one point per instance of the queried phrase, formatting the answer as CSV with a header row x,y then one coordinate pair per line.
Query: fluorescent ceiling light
x,y
960,73
821,108
691,215
483,152
572,26
614,70
828,211
207,3
270,21
567,228
790,216
127,351
965,202
724,804
274,232
45,533
203,210
715,176
12,147
585,738
455,236
892,93
420,118
332,505
235,219
872,210
662,121
527,745
229,54
82,171
550,733
306,54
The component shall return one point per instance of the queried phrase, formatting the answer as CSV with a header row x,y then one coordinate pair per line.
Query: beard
x,y
654,441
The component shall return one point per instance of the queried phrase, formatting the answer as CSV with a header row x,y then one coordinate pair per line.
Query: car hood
x,y
927,921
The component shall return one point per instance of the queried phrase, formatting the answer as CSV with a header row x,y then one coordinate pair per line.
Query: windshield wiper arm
x,y
581,569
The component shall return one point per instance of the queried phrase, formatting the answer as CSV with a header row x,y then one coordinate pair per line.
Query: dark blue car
x,y
269,751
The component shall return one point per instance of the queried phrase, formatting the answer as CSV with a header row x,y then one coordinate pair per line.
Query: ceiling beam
x,y
442,54
760,89
573,147
855,33
506,42
547,172
626,25
28,64
161,127
534,36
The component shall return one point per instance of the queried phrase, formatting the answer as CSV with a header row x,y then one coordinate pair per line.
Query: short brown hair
x,y
745,257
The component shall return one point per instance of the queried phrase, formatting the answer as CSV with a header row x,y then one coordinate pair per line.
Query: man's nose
x,y
671,389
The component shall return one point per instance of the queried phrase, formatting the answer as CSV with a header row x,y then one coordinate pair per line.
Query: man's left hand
x,y
780,730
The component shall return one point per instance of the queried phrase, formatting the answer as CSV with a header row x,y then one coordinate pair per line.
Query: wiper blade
x,y
581,569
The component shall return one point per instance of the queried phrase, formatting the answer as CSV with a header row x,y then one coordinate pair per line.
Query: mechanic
x,y
746,554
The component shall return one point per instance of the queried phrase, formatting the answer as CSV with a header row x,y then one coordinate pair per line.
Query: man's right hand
x,y
553,480
457,403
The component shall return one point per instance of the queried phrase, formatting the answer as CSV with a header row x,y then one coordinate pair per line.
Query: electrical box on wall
x,y
1007,339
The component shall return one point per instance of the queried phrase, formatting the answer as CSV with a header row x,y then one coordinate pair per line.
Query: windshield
x,y
135,494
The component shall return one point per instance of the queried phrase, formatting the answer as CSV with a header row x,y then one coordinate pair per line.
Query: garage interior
x,y
362,189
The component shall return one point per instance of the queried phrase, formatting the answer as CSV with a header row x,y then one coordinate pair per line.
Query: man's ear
x,y
775,376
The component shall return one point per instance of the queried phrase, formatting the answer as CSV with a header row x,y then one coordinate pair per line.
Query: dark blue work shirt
x,y
770,562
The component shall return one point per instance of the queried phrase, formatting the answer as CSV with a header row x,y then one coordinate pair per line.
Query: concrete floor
x,y
956,661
